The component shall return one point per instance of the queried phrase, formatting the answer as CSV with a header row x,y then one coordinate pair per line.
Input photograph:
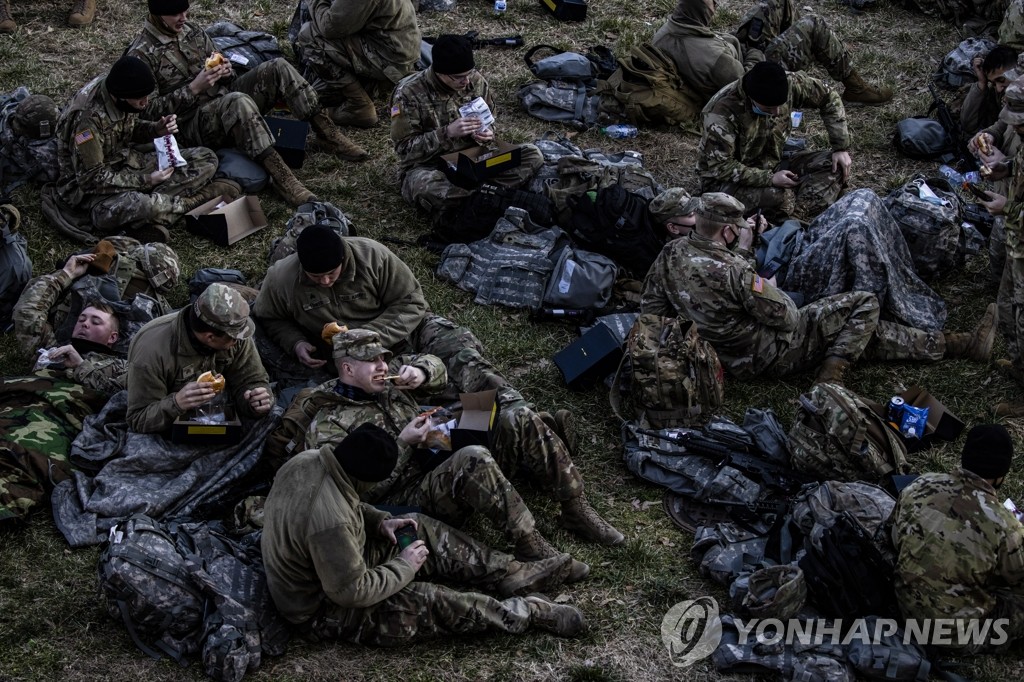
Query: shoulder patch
x,y
83,137
757,285
395,110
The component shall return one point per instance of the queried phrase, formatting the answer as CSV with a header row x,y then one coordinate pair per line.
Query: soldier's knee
x,y
472,458
238,106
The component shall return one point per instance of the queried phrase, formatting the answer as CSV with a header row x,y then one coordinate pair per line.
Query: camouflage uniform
x,y
756,329
103,176
421,109
960,553
327,573
1008,142
739,151
226,115
28,143
376,40
1011,287
708,60
1011,30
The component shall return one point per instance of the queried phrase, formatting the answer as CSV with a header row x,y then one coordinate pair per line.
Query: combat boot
x,y
859,91
833,371
560,619
82,13
358,109
1011,370
561,423
976,345
285,182
579,517
7,24
524,577
330,139
219,187
148,234
534,546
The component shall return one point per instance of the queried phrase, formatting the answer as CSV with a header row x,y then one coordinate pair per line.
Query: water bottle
x,y
620,131
499,7
951,174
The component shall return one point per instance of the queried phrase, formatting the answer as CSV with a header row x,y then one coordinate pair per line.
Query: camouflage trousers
x,y
236,118
847,326
468,482
163,205
1011,309
1011,30
423,610
334,64
522,441
430,189
819,188
809,41
997,251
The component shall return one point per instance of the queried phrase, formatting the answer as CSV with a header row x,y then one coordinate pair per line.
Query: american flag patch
x,y
395,111
758,284
83,137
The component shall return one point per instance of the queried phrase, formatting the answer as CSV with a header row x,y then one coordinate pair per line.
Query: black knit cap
x,y
320,249
165,8
988,451
767,84
452,54
130,78
368,453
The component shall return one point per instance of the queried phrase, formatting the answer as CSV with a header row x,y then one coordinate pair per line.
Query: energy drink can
x,y
895,409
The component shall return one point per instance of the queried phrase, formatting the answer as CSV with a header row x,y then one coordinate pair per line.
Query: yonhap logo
x,y
691,630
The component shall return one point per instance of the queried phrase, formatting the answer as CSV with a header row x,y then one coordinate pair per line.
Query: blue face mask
x,y
758,111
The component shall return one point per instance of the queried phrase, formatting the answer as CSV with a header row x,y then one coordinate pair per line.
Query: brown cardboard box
x,y
187,432
227,224
942,424
479,412
472,166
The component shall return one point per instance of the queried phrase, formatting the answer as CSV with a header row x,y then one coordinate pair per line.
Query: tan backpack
x,y
647,89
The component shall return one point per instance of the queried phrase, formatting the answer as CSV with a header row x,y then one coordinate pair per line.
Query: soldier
x,y
675,211
347,43
472,479
426,123
105,184
219,110
745,127
774,30
168,354
960,553
82,13
335,570
981,106
41,316
757,330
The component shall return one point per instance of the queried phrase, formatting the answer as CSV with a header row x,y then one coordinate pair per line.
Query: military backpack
x,y
309,213
930,226
647,90
15,264
245,49
955,70
837,436
565,91
616,223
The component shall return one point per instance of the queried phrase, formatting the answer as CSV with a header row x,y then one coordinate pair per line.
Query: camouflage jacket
x,y
744,317
95,141
175,61
162,359
741,147
314,539
980,109
390,410
376,291
956,544
1014,209
1011,30
421,109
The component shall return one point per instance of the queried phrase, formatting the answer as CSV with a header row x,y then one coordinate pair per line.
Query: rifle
x,y
507,41
950,124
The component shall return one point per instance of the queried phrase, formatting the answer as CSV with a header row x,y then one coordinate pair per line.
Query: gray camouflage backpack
x,y
309,213
932,230
15,265
565,91
955,70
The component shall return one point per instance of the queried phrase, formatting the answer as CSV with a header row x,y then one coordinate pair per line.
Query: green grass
x,y
53,627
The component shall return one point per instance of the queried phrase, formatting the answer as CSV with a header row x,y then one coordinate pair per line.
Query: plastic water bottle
x,y
951,174
499,7
620,131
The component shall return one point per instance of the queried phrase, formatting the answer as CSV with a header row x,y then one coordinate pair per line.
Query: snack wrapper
x,y
439,437
477,108
167,153
1012,508
913,421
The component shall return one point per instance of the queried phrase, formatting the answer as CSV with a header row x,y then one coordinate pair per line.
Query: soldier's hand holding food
x,y
995,204
168,125
207,78
193,394
158,176
67,355
461,127
484,135
409,378
415,432
78,264
259,399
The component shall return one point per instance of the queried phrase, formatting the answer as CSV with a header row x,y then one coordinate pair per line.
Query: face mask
x,y
760,112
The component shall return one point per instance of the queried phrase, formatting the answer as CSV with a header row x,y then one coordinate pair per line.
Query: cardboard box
x,y
942,424
589,358
470,167
187,432
566,10
476,423
289,139
228,224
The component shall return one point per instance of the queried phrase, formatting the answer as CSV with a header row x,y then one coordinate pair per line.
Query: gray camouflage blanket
x,y
856,245
120,473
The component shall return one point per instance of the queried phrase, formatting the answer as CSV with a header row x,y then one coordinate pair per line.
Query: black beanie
x,y
452,54
988,451
130,78
165,8
320,249
368,453
767,84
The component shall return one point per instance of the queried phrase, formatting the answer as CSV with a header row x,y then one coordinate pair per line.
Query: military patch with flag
x,y
83,137
757,285
395,111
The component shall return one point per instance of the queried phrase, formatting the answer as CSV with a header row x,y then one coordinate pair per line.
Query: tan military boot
x,y
976,345
358,109
535,546
330,138
579,517
82,13
7,24
524,577
285,182
229,189
560,619
833,371
859,91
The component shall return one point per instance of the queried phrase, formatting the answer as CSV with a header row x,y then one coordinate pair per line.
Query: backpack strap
x,y
528,57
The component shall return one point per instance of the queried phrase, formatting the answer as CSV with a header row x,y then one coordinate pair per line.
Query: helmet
x,y
160,263
776,592
35,117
